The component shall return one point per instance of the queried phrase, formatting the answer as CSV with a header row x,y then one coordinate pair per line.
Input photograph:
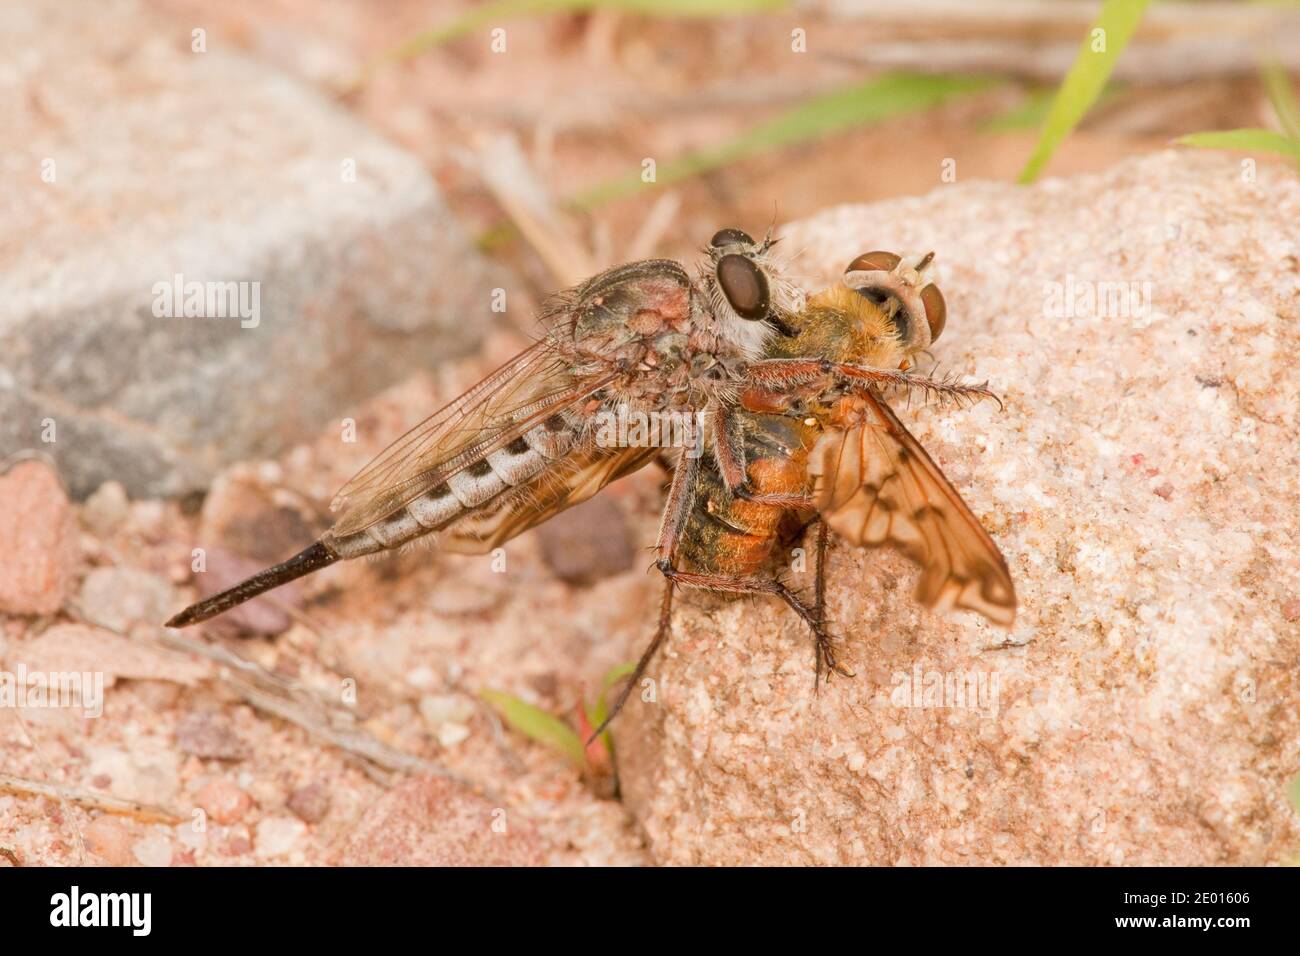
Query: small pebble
x,y
451,733
277,836
588,542
209,734
223,801
438,709
37,540
153,850
106,509
310,803
117,598
110,839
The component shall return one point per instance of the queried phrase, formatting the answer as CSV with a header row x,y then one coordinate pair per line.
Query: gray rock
x,y
157,162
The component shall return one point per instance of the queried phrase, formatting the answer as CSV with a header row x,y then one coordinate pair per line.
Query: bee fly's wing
x,y
874,484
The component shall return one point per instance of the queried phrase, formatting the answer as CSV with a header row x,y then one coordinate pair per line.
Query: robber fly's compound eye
x,y
730,237
875,262
936,312
744,285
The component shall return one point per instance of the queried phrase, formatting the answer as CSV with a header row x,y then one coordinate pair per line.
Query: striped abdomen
x,y
518,463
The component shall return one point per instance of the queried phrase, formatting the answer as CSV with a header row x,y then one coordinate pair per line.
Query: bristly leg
x,y
661,635
779,372
826,650
812,616
825,647
819,596
681,492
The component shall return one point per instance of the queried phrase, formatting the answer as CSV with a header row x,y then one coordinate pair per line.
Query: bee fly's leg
x,y
661,635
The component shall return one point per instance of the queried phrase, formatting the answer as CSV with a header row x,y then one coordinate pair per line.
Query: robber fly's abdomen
x,y
520,461
737,538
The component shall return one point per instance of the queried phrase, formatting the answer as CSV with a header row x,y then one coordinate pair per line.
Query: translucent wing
x,y
582,474
529,388
535,385
874,484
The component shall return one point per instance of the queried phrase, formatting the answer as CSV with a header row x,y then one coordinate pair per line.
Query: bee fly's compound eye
x,y
730,237
744,285
936,312
875,262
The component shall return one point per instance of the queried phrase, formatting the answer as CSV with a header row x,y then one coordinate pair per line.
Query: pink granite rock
x,y
37,540
1142,327
434,822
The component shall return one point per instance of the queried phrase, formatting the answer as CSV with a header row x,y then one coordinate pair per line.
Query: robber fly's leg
x,y
730,585
681,493
859,377
729,453
825,649
823,541
813,618
728,447
778,372
676,510
661,635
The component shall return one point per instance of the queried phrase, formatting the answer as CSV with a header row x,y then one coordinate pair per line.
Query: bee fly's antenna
x,y
929,257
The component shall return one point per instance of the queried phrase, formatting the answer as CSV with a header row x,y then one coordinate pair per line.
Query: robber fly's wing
x,y
874,484
527,390
584,472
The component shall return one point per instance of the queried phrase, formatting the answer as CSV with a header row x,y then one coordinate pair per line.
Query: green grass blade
x,y
616,674
1031,112
859,105
1250,140
494,14
536,724
1280,94
597,712
1087,78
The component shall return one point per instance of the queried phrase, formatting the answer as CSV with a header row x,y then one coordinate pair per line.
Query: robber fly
x,y
518,447
810,438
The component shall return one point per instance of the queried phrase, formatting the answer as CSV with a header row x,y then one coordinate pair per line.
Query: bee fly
x,y
811,439
520,446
